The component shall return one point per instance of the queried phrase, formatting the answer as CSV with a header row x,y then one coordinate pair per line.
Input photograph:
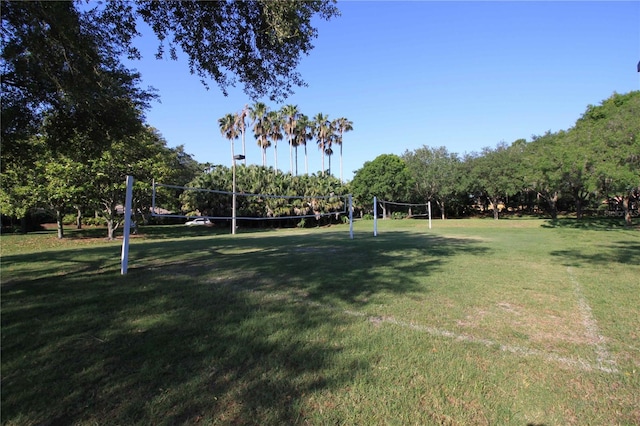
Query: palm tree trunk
x,y
233,154
341,180
275,155
290,156
306,160
244,153
322,151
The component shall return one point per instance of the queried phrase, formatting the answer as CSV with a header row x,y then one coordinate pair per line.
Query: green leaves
x,y
258,43
386,177
261,180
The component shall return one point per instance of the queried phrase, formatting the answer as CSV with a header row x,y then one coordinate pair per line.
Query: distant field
x,y
515,322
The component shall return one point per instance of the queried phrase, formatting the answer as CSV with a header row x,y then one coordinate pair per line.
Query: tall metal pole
x,y
233,204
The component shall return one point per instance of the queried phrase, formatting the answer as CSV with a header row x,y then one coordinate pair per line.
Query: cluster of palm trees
x,y
271,126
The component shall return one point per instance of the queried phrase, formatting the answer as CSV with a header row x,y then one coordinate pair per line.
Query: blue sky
x,y
464,75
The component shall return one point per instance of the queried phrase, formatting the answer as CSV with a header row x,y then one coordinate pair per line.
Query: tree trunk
x,y
578,208
322,153
111,229
110,215
60,224
496,212
442,214
627,211
275,156
290,156
552,200
341,180
79,218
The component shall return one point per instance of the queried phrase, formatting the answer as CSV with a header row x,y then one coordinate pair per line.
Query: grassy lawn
x,y
515,322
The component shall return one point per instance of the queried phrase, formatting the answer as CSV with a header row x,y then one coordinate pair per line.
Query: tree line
x,y
73,115
591,166
311,195
271,126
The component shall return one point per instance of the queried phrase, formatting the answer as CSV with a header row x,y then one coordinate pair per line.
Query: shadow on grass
x,y
591,223
200,330
622,252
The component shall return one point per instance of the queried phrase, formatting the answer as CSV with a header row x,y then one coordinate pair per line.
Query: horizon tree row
x,y
302,195
595,165
272,125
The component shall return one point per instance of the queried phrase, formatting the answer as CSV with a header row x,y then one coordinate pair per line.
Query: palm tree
x,y
228,130
241,126
332,137
342,125
290,115
274,132
258,116
303,133
329,152
321,130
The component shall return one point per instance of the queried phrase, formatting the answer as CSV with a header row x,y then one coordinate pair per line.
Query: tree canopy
x,y
433,171
68,103
386,177
593,166
61,76
258,43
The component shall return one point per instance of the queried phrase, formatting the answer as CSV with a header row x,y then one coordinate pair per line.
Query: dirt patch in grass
x,y
546,327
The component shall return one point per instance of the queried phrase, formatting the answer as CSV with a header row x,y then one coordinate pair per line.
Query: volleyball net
x,y
399,210
225,205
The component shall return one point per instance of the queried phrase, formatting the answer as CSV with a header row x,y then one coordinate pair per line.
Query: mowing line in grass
x,y
604,359
575,363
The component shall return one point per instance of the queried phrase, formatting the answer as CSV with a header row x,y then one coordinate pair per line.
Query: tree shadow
x,y
622,252
214,329
590,223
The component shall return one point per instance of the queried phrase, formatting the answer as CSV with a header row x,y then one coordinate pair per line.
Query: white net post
x,y
375,216
124,259
429,209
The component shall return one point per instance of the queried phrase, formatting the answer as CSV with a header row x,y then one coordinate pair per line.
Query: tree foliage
x,y
386,177
265,181
144,156
258,43
434,173
61,76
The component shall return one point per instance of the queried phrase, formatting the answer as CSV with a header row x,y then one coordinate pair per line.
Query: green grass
x,y
519,321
